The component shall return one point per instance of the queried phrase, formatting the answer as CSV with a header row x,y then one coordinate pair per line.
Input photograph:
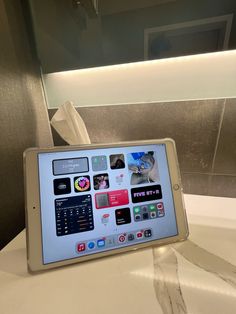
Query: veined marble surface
x,y
195,276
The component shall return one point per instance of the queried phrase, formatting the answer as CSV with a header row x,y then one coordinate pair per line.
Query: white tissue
x,y
69,125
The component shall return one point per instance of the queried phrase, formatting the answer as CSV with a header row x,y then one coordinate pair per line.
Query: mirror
x,y
77,34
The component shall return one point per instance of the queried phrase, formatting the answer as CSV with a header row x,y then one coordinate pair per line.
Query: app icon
x,y
120,178
105,218
81,247
123,216
91,245
82,183
101,181
137,217
160,205
99,163
160,210
130,237
147,233
139,235
117,161
153,215
137,209
152,207
110,241
160,213
100,243
144,208
61,186
145,216
122,238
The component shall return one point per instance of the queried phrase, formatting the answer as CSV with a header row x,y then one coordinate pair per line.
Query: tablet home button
x,y
176,187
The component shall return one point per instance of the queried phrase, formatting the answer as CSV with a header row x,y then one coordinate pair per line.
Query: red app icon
x,y
160,205
81,247
122,238
139,235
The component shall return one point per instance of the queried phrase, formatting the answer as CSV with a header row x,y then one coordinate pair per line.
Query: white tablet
x,y
85,202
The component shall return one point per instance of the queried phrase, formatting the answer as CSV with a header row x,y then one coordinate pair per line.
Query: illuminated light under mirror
x,y
205,76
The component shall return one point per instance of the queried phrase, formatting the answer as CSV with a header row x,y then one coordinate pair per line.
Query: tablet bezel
x,y
32,203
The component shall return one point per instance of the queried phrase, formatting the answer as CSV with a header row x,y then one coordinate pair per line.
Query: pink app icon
x,y
81,247
139,235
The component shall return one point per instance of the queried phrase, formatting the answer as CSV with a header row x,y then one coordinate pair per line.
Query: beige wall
x,y
23,115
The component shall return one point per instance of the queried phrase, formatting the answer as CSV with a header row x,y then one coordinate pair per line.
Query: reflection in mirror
x,y
75,34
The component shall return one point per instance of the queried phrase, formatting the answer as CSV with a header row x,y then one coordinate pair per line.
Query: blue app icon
x,y
91,245
100,243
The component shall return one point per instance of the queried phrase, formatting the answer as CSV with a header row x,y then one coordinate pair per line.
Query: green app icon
x,y
137,209
152,207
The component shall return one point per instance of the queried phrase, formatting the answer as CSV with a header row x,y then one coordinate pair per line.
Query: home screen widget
x,y
82,184
99,163
101,181
146,193
81,247
70,165
150,211
117,161
73,215
123,216
111,199
62,186
142,168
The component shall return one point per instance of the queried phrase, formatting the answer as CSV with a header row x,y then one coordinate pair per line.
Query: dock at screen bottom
x,y
113,241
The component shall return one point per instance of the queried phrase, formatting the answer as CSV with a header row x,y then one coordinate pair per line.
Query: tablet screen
x,y
104,199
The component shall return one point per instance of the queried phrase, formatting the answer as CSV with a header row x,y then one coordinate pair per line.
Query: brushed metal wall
x,y
23,115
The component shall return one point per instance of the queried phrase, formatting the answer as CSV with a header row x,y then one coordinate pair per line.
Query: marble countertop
x,y
195,276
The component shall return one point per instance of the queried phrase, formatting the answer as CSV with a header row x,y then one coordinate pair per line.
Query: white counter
x,y
195,276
